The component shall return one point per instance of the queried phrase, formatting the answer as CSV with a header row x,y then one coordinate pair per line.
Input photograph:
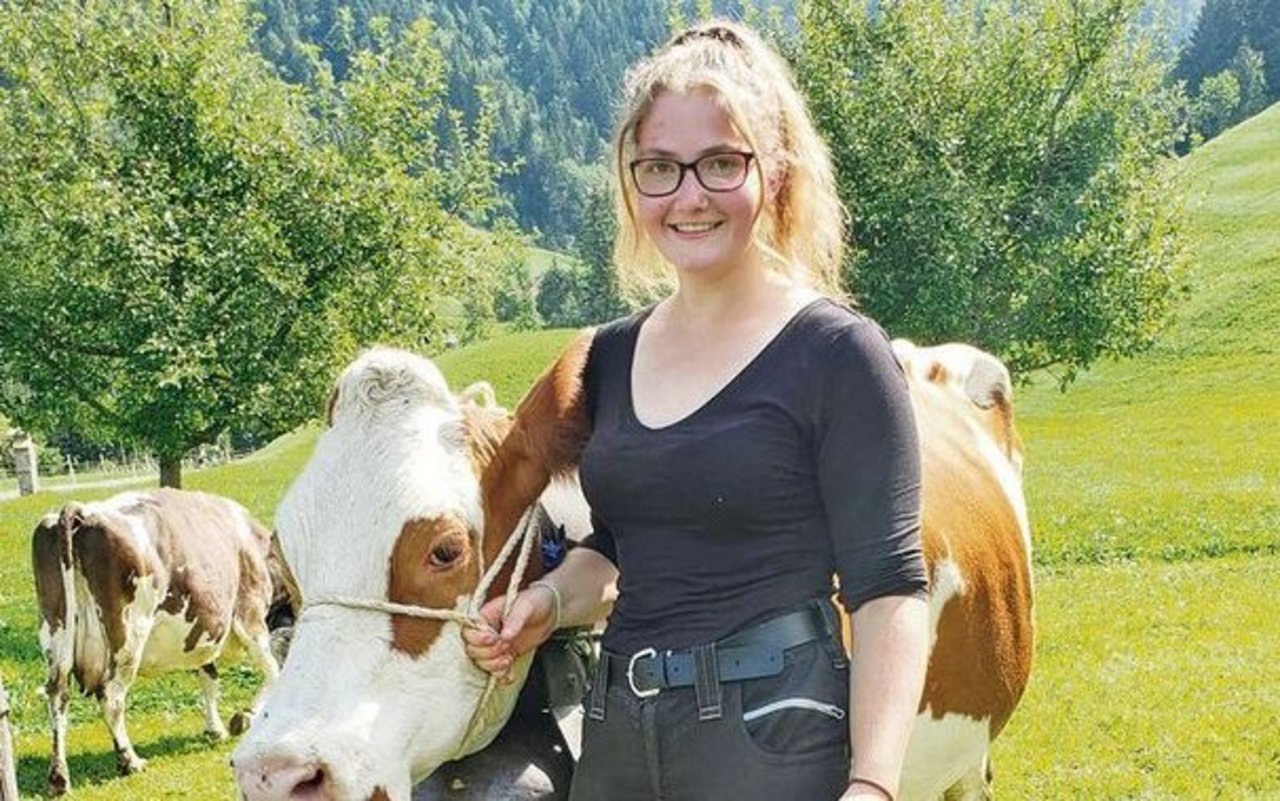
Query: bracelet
x,y
874,785
557,603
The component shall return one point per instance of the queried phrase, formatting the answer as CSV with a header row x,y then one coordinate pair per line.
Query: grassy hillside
x,y
1158,669
1160,680
1177,454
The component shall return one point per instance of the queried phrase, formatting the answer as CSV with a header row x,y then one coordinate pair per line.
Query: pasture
x,y
1154,491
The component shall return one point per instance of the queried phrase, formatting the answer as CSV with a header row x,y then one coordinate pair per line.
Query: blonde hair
x,y
801,232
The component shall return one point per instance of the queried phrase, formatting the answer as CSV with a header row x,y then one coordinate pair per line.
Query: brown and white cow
x,y
977,544
408,483
146,583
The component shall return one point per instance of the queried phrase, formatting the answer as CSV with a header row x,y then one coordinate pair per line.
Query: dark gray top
x,y
805,464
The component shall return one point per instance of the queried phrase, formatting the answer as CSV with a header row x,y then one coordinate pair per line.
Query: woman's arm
x,y
584,587
890,655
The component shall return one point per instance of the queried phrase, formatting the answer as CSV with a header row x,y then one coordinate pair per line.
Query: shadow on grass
x,y
90,769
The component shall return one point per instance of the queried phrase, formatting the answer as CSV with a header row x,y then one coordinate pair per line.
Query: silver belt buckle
x,y
647,653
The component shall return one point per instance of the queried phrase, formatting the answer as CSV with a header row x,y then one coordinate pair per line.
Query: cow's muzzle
x,y
284,777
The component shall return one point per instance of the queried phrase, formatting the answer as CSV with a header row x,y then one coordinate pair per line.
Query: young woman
x,y
752,437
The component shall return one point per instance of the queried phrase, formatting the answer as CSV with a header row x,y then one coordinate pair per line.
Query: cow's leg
x,y
256,640
974,785
209,685
114,695
57,695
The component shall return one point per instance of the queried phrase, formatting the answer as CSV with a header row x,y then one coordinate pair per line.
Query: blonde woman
x,y
752,437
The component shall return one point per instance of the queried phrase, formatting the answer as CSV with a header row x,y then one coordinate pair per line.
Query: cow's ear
x,y
551,423
988,383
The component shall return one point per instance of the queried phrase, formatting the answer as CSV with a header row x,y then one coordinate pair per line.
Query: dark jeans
x,y
780,738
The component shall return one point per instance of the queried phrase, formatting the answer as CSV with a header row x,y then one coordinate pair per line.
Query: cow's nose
x,y
284,778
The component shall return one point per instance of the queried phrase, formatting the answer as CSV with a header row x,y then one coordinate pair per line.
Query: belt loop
x,y
706,678
599,688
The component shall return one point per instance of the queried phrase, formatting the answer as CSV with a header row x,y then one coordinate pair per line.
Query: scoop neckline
x,y
725,389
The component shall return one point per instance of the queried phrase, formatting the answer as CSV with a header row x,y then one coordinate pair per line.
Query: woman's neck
x,y
711,302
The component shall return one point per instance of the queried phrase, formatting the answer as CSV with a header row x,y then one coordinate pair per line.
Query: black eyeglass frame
x,y
692,166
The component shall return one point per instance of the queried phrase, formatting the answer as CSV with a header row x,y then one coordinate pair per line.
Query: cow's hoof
x,y
58,783
130,764
239,723
216,735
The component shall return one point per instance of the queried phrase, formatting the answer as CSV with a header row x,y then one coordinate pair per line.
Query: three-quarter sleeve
x,y
868,465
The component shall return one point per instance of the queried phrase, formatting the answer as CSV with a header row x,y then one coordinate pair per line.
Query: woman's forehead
x,y
687,124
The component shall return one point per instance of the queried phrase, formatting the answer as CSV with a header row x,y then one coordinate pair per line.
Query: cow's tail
x,y
68,522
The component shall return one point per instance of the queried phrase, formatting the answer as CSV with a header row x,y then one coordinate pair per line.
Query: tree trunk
x,y
8,777
171,471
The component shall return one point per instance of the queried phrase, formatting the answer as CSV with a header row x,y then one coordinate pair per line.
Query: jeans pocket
x,y
800,711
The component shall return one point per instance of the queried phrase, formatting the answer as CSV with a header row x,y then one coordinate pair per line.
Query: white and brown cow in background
x,y
407,482
146,583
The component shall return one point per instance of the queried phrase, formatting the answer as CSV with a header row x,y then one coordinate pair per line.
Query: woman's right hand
x,y
496,646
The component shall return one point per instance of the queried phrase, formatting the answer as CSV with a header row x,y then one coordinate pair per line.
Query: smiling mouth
x,y
694,228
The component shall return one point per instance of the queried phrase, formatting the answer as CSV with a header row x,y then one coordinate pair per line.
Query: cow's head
x,y
960,379
410,490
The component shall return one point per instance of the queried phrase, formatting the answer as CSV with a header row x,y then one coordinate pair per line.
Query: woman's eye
x,y
721,165
658,169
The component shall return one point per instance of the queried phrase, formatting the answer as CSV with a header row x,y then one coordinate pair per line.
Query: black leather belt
x,y
752,653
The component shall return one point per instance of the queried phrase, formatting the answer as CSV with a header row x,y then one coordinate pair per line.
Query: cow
x,y
411,493
147,583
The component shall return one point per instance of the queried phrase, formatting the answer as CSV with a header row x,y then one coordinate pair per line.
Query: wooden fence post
x,y
8,776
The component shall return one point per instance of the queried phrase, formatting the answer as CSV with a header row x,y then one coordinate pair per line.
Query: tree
x,y
189,245
599,298
1217,104
1223,27
1006,168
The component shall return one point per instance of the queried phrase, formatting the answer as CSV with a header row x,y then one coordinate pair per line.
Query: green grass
x,y
1151,681
1154,491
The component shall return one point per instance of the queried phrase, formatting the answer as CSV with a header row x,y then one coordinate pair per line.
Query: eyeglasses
x,y
717,172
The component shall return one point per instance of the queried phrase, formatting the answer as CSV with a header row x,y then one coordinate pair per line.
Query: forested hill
x,y
552,68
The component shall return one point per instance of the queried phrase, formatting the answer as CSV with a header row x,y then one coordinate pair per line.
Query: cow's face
x,y
409,492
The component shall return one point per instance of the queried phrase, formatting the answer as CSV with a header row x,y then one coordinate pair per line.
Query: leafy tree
x,y
558,296
190,245
1250,68
1006,169
1217,105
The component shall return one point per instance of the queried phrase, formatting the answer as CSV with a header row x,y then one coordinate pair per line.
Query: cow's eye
x,y
444,554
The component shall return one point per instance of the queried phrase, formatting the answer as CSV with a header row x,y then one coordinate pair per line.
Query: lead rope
x,y
471,618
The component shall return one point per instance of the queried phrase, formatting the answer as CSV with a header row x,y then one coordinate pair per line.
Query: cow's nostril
x,y
310,788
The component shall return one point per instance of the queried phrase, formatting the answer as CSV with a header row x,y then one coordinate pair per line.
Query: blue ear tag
x,y
554,548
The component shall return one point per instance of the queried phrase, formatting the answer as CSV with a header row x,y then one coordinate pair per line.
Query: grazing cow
x,y
411,493
146,582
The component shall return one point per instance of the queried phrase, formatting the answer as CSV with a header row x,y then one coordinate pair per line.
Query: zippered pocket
x,y
830,710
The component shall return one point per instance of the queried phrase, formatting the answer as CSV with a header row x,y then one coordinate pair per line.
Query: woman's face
x,y
700,232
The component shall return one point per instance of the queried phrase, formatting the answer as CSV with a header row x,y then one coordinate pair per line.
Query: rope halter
x,y
520,544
